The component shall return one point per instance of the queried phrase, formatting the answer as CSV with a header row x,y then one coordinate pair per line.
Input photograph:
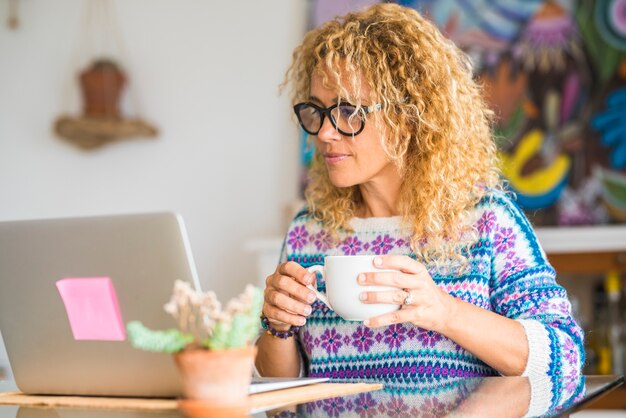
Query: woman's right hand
x,y
287,300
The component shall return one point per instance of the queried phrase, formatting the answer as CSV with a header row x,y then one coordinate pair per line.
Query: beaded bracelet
x,y
265,324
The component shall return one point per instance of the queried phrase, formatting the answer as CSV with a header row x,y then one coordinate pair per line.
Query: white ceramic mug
x,y
343,290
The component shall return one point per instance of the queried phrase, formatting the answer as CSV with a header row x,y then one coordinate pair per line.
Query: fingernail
x,y
308,279
302,321
366,322
311,298
361,278
362,296
378,261
307,310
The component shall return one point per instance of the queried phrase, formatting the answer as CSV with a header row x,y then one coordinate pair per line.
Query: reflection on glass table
x,y
467,397
470,397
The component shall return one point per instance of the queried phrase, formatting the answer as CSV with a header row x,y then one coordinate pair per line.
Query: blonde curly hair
x,y
436,124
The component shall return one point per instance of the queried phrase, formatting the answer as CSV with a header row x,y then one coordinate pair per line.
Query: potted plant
x,y
212,347
102,85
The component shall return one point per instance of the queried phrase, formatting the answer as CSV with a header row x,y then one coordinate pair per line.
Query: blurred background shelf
x,y
580,239
585,249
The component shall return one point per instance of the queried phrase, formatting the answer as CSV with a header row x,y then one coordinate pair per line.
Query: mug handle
x,y
322,297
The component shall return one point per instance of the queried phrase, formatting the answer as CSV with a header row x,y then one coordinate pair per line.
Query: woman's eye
x,y
346,112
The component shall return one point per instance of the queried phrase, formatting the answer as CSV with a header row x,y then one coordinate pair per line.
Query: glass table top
x,y
474,397
468,397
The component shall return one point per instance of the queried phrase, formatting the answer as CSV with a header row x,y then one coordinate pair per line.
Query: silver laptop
x,y
58,344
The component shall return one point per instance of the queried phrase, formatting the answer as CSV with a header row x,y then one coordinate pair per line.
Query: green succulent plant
x,y
202,323
168,341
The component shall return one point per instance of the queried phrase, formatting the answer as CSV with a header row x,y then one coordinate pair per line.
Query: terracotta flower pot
x,y
102,85
218,377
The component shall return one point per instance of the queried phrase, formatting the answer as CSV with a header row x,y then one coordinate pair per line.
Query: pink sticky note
x,y
92,308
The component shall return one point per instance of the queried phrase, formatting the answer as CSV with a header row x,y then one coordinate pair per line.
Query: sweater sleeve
x,y
284,256
524,288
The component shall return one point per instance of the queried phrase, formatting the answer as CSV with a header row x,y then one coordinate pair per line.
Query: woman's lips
x,y
335,158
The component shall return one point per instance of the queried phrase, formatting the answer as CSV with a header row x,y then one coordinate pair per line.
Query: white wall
x,y
206,73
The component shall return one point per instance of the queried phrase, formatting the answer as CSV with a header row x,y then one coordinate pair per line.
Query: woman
x,y
405,167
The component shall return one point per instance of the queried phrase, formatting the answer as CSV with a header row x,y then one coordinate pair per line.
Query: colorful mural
x,y
555,74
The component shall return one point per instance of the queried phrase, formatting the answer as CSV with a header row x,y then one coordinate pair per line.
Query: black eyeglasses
x,y
343,116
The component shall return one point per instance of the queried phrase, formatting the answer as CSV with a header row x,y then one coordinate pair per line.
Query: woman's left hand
x,y
422,302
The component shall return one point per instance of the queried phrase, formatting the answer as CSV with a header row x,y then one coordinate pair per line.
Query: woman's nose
x,y
328,132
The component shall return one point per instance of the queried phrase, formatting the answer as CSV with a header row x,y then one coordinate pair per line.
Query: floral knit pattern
x,y
509,275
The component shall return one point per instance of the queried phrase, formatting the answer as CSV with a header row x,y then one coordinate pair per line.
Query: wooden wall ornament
x,y
102,83
13,21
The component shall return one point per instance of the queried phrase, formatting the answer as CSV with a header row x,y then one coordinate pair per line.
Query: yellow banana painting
x,y
542,187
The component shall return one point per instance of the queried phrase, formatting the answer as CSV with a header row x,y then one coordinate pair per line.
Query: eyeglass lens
x,y
344,117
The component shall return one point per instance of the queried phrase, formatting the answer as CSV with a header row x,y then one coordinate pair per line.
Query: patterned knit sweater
x,y
509,274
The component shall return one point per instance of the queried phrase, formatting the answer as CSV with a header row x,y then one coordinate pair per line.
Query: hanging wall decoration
x,y
103,83
13,21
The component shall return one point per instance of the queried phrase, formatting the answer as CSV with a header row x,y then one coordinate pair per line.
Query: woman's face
x,y
351,161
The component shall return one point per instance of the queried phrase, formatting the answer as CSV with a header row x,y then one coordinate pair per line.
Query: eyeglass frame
x,y
327,112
